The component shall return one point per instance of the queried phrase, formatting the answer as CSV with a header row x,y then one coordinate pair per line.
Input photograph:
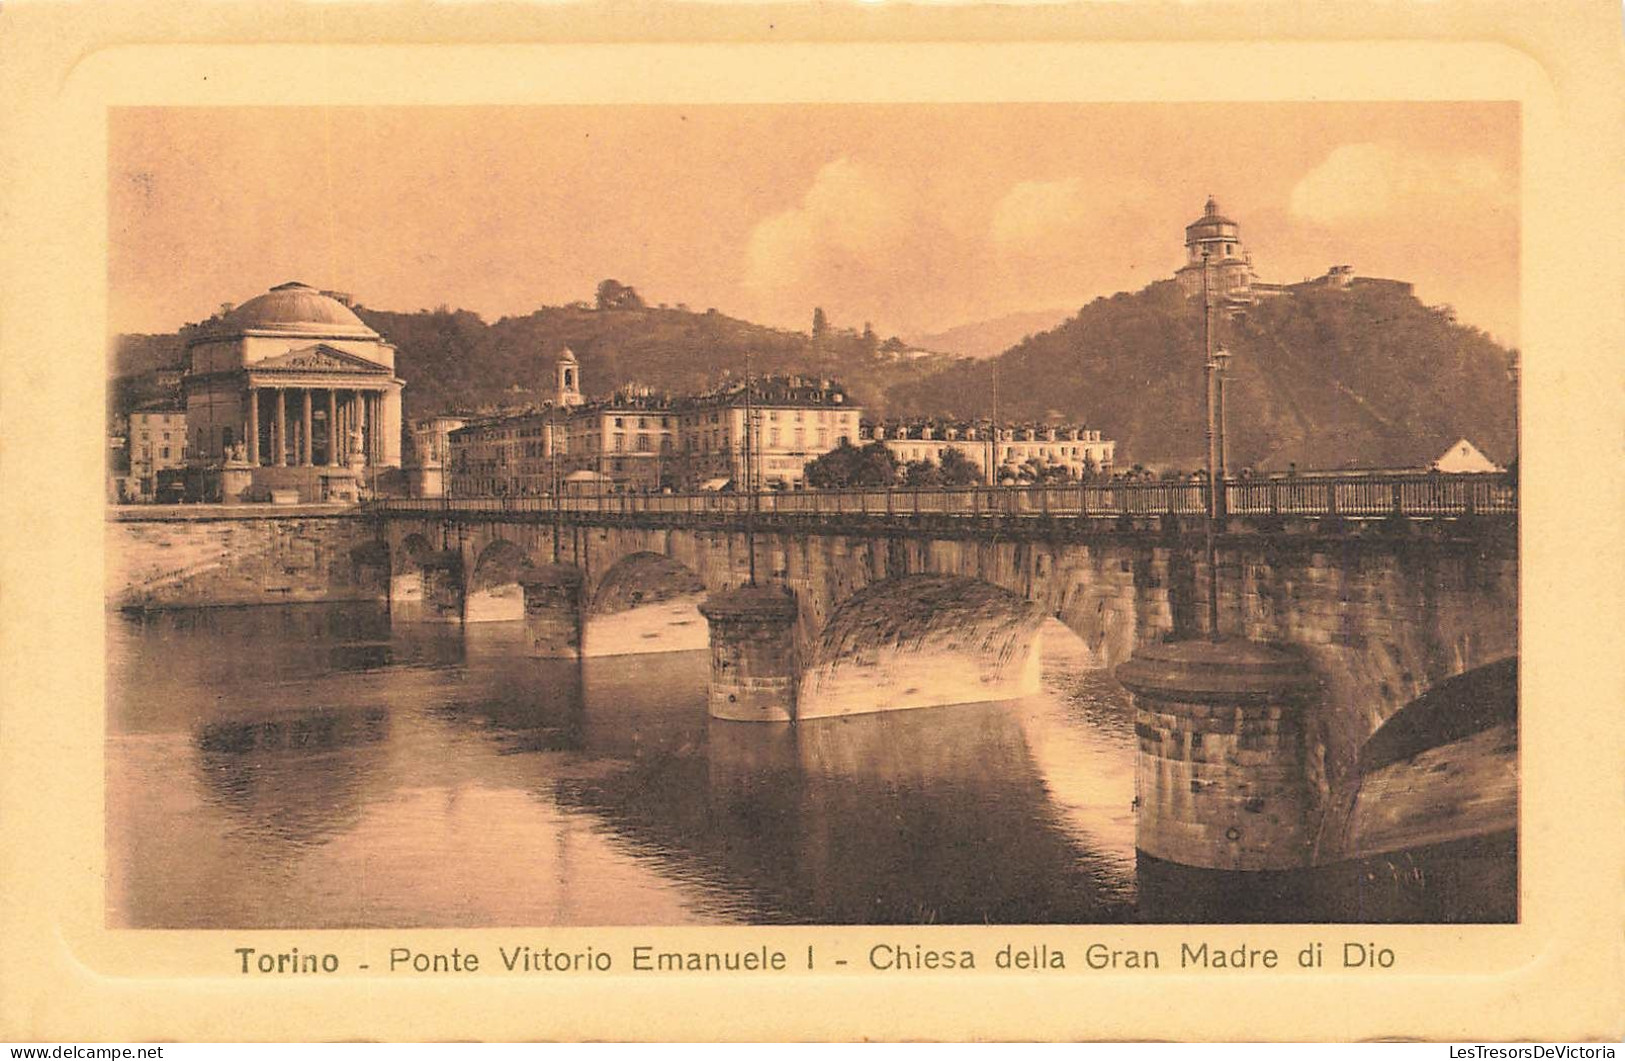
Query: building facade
x,y
1004,448
296,386
428,448
636,440
764,432
157,442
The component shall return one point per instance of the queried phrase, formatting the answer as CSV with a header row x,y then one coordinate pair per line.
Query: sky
x,y
916,218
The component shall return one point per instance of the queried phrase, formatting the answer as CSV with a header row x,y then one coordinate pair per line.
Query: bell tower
x,y
567,380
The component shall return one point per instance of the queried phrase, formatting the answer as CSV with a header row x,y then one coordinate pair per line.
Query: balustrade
x,y
1354,496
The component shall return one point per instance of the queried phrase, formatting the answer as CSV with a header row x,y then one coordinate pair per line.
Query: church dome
x,y
1210,217
297,309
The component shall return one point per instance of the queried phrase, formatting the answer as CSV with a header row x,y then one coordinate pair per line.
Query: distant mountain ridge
x,y
1319,378
989,338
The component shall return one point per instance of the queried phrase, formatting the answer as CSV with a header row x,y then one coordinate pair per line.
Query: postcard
x,y
805,523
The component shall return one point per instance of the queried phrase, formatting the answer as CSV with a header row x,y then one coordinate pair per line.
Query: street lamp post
x,y
750,455
1213,369
553,477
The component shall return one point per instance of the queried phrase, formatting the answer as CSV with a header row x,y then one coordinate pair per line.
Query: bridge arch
x,y
921,641
640,579
494,592
412,554
1442,770
645,602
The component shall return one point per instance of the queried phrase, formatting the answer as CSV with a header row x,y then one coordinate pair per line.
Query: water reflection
x,y
310,766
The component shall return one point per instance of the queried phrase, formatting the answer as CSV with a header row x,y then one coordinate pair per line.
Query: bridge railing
x,y
1358,496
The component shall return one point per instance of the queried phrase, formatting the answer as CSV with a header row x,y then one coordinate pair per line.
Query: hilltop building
x,y
294,386
1213,241
636,440
1005,447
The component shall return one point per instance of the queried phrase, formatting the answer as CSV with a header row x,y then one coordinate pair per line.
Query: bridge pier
x,y
431,592
553,611
1219,777
753,653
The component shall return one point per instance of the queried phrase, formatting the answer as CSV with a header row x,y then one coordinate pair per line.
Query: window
x,y
164,453
618,422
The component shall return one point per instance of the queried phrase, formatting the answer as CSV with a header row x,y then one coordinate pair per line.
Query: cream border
x,y
1555,975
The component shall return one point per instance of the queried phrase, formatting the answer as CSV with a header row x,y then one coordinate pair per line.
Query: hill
x,y
454,360
1320,378
990,337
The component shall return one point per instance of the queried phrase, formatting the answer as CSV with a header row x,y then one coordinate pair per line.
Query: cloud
x,y
861,243
1372,181
1058,242
1037,214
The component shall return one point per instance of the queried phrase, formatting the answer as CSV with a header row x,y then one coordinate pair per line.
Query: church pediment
x,y
319,358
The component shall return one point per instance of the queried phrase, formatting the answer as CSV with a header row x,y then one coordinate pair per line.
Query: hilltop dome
x,y
298,309
1211,218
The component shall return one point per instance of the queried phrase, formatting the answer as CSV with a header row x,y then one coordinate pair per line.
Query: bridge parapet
x,y
1432,496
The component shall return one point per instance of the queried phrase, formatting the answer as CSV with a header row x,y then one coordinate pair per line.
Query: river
x,y
310,766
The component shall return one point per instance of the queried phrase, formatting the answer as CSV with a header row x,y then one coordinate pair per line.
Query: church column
x,y
361,421
307,456
344,429
332,427
254,426
279,452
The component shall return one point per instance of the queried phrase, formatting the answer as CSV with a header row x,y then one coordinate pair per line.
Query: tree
x,y
836,468
958,469
871,342
847,465
820,323
879,466
613,295
923,472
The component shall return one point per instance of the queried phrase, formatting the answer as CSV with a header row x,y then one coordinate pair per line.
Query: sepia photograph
x,y
810,523
892,514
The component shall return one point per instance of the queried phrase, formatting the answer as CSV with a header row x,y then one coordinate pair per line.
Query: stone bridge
x,y
1386,618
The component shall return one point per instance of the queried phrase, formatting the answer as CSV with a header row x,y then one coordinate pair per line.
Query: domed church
x,y
1213,246
294,385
